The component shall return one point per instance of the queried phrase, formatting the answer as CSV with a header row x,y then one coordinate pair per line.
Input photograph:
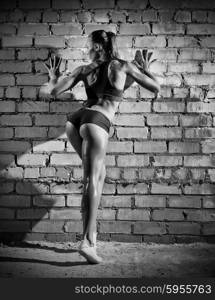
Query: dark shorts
x,y
84,115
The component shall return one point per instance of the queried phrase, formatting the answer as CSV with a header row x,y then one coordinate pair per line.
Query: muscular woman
x,y
105,79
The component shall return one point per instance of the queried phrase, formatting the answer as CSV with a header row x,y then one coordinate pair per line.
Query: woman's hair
x,y
108,41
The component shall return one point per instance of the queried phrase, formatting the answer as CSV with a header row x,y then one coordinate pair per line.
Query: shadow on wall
x,y
28,191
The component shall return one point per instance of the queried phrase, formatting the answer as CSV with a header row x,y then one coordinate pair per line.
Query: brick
x,y
200,215
162,120
134,29
166,133
200,29
194,54
29,92
166,16
200,107
168,214
31,132
7,213
49,41
15,201
77,42
168,28
64,4
150,41
182,16
67,213
169,106
184,147
130,174
73,226
6,133
106,214
132,120
16,41
118,147
208,146
98,4
199,189
31,188
30,4
150,201
116,201
149,228
7,106
187,67
146,173
33,54
208,228
84,17
184,201
141,4
6,159
162,160
179,41
15,67
132,160
74,200
50,16
70,188
208,202
133,188
118,16
31,173
6,188
65,159
6,29
14,146
49,120
199,79
7,54
196,120
32,160
32,213
113,173
149,146
13,92
133,214
133,132
199,133
134,17
67,29
135,107
207,41
47,172
14,226
16,120
107,27
16,16
170,80
32,106
6,80
27,79
48,146
198,161
199,16
33,29
34,16
183,228
68,16
158,188
208,68
149,15
101,16
50,226
49,201
57,132
115,227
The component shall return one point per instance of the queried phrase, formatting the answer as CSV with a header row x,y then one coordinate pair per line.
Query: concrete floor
x,y
61,260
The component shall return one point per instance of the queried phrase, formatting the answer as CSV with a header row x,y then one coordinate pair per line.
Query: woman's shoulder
x,y
117,64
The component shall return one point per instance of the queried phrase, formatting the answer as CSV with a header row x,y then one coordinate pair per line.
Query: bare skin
x,y
91,141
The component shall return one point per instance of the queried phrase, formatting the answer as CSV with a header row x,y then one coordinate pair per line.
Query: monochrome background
x,y
160,159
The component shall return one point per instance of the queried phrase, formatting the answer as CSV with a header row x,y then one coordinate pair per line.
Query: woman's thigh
x,y
94,146
74,138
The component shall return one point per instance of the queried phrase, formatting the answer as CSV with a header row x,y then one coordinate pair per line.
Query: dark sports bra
x,y
98,84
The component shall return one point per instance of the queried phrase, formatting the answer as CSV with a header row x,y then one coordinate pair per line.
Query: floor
x,y
62,260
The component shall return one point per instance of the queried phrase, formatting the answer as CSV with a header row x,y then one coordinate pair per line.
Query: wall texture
x,y
161,154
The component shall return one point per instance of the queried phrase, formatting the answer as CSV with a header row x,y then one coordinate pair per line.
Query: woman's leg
x,y
94,146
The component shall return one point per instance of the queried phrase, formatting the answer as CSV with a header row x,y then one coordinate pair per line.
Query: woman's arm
x,y
57,87
142,77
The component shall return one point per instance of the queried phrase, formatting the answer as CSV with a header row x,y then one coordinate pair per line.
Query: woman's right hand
x,y
53,69
143,60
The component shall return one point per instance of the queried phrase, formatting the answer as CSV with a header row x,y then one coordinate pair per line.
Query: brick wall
x,y
160,159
